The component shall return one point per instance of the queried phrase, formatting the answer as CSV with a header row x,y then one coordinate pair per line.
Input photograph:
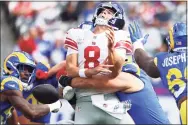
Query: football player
x,y
59,69
87,50
171,66
132,86
19,69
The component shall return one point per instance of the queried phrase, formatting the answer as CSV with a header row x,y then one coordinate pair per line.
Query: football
x,y
45,93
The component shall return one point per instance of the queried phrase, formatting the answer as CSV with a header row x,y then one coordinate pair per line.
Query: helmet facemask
x,y
25,72
26,75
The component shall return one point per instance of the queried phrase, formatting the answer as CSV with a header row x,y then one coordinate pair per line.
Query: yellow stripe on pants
x,y
183,112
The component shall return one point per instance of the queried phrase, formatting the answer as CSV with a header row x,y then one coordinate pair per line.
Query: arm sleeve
x,y
70,41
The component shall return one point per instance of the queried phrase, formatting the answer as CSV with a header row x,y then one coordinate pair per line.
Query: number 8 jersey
x,y
173,71
92,48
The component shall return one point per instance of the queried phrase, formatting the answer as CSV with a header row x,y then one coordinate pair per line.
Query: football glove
x,y
65,81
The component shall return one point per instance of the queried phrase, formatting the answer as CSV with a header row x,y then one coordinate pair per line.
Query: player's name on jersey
x,y
173,60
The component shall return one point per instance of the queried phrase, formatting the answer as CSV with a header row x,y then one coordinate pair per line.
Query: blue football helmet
x,y
20,62
86,25
117,21
177,39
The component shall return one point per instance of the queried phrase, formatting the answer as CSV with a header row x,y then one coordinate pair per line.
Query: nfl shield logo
x,y
179,43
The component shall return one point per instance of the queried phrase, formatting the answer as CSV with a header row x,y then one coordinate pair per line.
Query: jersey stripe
x,y
71,43
126,45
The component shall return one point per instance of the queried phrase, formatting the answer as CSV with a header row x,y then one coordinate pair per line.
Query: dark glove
x,y
65,80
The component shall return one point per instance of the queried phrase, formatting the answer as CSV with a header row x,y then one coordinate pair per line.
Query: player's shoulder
x,y
161,54
131,67
122,40
10,83
122,35
76,31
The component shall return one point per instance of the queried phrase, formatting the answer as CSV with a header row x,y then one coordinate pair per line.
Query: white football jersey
x,y
92,49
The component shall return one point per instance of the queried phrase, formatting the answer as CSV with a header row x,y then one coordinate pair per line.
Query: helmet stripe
x,y
171,39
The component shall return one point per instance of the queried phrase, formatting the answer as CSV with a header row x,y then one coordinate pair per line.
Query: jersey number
x,y
177,81
91,55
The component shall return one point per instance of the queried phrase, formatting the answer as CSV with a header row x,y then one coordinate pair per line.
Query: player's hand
x,y
41,74
136,33
65,80
110,36
103,69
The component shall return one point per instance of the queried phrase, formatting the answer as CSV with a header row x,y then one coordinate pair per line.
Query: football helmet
x,y
20,62
177,39
117,21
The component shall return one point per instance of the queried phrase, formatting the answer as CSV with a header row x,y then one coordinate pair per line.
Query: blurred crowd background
x,y
39,28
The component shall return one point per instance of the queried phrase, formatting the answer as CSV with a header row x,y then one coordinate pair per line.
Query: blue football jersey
x,y
173,72
145,107
8,83
31,99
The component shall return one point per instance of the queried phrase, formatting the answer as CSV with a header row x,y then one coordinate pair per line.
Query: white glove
x,y
68,92
54,107
27,87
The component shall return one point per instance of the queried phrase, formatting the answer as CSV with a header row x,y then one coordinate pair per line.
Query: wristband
x,y
138,45
82,73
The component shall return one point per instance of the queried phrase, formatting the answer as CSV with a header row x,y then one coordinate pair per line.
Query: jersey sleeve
x,y
157,58
155,61
11,83
122,41
70,40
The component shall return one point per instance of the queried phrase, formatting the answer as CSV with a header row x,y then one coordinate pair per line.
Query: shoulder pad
x,y
122,35
132,68
44,66
159,54
71,38
11,83
122,40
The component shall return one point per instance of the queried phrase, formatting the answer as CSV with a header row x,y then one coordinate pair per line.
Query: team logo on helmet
x,y
18,62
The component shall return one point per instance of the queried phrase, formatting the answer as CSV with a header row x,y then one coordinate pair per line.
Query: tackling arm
x,y
56,68
125,82
146,63
29,110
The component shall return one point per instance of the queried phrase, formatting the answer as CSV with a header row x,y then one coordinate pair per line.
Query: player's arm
x,y
52,71
114,55
125,81
146,63
30,111
71,64
72,67
142,58
13,120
